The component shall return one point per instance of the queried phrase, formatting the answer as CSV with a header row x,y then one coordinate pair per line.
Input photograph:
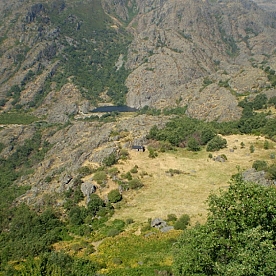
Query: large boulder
x,y
87,189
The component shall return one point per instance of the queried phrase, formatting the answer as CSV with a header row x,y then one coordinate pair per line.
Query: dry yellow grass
x,y
184,193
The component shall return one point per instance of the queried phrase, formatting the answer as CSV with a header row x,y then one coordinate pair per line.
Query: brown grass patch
x,y
187,192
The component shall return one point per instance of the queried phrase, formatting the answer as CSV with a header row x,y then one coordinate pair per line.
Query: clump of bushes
x,y
216,143
135,183
110,160
182,222
259,165
114,196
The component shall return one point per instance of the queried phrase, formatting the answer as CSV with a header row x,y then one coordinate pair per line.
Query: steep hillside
x,y
61,58
178,42
154,53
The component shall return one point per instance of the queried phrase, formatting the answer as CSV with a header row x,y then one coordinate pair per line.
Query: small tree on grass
x,y
182,222
95,204
110,160
216,143
114,196
193,144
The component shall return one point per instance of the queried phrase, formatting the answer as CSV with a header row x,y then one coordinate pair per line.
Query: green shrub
x,y
171,217
85,170
182,222
193,144
124,154
135,184
216,143
129,221
266,145
272,171
113,232
110,160
127,176
94,204
113,171
114,196
259,165
152,153
100,177
251,148
223,156
134,169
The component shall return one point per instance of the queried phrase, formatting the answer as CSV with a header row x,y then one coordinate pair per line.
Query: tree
x,y
193,144
114,196
110,160
237,239
216,143
182,222
94,204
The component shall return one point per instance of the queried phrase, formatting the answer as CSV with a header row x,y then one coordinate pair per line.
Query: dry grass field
x,y
163,194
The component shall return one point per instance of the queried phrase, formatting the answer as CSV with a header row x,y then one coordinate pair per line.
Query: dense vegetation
x,y
91,66
191,133
238,238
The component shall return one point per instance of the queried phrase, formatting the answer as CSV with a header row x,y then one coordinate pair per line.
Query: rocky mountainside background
x,y
155,53
61,58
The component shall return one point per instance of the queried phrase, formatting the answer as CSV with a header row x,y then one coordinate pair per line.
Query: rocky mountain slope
x,y
269,5
164,51
60,58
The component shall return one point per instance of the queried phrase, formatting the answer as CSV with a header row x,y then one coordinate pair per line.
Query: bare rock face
x,y
214,103
87,189
180,41
59,105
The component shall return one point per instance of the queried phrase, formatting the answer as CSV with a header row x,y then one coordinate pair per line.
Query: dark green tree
x,y
216,143
114,196
95,204
193,144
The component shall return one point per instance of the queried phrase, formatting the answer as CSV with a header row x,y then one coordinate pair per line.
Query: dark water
x,y
121,108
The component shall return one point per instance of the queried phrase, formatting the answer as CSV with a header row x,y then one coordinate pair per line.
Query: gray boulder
x,y
87,189
158,223
259,177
